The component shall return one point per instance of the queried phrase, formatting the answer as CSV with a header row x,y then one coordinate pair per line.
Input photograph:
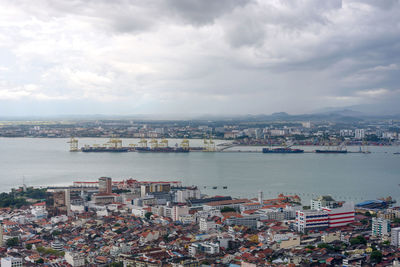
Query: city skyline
x,y
198,57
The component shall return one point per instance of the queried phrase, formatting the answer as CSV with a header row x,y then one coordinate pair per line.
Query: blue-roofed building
x,y
372,204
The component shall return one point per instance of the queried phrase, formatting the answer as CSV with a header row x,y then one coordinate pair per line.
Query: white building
x,y
203,248
58,219
380,227
176,211
323,201
207,225
359,133
139,211
11,262
395,237
184,194
74,259
39,211
346,133
187,219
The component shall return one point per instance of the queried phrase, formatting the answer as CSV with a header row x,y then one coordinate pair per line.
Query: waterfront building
x,y
234,203
149,188
380,227
395,237
185,193
323,201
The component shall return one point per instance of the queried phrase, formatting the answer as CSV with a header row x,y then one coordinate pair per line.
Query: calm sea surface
x,y
351,176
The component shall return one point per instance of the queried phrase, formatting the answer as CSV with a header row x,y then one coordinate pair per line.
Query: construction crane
x,y
115,142
153,143
163,143
209,145
364,148
143,143
185,144
73,145
342,146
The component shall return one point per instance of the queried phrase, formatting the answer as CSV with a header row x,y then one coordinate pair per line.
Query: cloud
x,y
244,56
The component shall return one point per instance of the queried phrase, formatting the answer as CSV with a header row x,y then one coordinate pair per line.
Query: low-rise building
x,y
74,259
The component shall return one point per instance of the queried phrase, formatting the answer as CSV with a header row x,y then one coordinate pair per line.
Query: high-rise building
x,y
380,227
395,237
1,235
105,185
359,133
260,197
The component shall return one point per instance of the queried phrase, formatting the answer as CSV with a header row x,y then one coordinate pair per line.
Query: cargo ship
x,y
282,150
162,149
104,149
329,151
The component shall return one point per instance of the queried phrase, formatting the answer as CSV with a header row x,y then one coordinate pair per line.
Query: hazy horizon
x,y
198,57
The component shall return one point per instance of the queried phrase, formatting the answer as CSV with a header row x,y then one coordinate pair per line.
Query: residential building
x,y
11,262
207,224
395,237
74,259
380,227
105,185
359,133
204,248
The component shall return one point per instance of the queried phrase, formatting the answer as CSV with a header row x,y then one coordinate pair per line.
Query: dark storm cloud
x,y
200,12
243,56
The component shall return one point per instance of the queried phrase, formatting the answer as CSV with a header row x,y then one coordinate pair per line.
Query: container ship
x,y
330,151
282,150
104,149
162,149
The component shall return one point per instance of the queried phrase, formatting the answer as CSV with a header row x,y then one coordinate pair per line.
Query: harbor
x,y
356,174
115,145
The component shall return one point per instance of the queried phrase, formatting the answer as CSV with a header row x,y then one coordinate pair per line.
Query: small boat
x,y
225,187
214,187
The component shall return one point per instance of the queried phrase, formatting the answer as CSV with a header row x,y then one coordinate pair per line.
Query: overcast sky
x,y
197,56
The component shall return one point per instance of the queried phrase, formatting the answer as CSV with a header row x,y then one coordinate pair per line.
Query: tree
x,y
376,256
29,246
148,215
12,242
358,240
117,264
228,209
325,245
